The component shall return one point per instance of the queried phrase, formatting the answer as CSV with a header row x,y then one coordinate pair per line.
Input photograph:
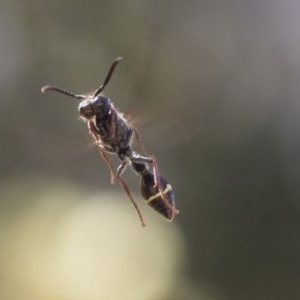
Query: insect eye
x,y
86,109
101,101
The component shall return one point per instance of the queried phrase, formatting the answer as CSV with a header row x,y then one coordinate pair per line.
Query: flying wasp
x,y
113,134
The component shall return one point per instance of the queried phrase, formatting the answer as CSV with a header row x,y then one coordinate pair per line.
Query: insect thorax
x,y
114,131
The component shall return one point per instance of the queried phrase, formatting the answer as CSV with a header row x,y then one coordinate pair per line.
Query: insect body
x,y
114,134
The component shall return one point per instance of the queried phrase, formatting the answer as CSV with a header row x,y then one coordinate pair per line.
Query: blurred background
x,y
213,87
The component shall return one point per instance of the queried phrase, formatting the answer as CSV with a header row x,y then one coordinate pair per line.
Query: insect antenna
x,y
57,89
108,76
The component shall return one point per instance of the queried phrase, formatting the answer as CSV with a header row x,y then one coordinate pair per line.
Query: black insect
x,y
113,134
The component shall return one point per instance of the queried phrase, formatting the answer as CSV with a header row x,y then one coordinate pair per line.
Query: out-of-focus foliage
x,y
213,87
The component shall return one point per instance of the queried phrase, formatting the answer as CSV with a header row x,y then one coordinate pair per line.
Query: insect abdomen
x,y
152,196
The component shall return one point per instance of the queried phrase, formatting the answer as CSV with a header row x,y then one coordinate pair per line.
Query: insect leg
x,y
121,168
139,141
129,194
135,158
109,164
125,187
160,187
93,131
151,160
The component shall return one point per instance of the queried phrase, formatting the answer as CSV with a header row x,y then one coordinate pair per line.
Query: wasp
x,y
114,135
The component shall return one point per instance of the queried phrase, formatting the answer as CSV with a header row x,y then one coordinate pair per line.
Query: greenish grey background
x,y
213,87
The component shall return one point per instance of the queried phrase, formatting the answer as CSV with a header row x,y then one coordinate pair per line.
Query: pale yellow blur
x,y
58,242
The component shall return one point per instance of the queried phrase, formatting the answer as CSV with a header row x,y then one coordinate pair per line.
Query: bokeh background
x,y
213,87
